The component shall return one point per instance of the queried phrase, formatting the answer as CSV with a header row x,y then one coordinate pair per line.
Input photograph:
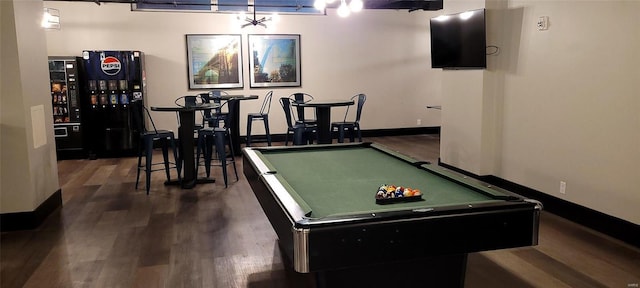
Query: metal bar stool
x,y
216,137
262,115
147,138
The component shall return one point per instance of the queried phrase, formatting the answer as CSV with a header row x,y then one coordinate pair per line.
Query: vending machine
x,y
65,100
114,79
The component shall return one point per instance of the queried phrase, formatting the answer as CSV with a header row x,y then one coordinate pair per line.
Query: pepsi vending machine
x,y
65,100
114,80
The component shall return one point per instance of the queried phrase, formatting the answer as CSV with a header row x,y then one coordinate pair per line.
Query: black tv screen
x,y
458,41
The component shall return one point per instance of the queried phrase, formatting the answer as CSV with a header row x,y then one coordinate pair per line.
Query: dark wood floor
x,y
107,234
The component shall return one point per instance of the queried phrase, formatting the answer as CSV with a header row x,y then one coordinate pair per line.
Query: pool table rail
x,y
472,183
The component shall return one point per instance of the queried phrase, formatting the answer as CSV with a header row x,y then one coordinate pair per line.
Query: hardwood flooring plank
x,y
139,211
151,277
53,271
128,242
85,274
236,270
88,215
59,270
588,253
101,175
77,193
125,171
523,269
81,175
484,272
88,245
69,170
185,266
596,244
112,220
23,252
557,269
117,273
157,241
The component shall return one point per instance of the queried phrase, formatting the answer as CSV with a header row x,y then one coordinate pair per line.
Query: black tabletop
x,y
199,106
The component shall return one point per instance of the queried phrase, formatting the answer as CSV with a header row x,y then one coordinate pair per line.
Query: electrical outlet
x,y
563,187
543,23
419,122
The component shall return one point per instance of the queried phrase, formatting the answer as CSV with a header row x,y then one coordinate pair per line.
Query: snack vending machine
x,y
114,79
65,100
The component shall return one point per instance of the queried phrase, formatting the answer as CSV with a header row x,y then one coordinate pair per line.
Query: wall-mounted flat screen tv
x,y
458,41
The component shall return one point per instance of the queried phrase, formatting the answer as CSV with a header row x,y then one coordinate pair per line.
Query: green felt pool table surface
x,y
344,181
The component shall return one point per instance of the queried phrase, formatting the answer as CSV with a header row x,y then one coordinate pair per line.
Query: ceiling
x,y
409,5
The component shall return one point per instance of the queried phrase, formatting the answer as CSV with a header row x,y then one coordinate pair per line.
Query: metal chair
x,y
213,117
303,98
186,101
147,139
262,115
352,127
302,133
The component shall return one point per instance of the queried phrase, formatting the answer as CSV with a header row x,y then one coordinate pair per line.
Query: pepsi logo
x,y
110,65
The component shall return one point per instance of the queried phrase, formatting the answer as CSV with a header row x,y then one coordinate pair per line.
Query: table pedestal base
x,y
189,184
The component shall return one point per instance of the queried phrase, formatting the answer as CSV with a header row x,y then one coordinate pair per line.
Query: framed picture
x,y
215,61
274,60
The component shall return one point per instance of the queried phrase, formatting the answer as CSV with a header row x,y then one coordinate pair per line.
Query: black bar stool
x,y
220,137
147,138
262,115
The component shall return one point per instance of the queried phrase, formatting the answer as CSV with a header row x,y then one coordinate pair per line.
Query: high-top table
x,y
323,115
234,126
185,133
187,116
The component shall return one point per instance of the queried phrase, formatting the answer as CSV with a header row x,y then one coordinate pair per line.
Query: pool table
x,y
320,200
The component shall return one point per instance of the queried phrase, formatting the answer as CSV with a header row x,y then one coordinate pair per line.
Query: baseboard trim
x,y
32,219
365,133
400,131
612,226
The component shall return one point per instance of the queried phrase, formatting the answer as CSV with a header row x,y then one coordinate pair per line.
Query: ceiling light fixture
x,y
343,10
255,21
356,5
320,4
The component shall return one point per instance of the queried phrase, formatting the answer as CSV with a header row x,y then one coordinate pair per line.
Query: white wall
x,y
572,101
28,167
554,105
384,54
469,105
